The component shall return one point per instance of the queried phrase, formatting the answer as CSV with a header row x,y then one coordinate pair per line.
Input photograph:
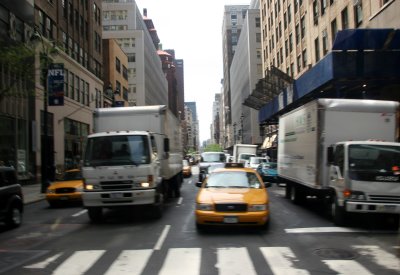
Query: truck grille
x,y
116,185
384,198
231,207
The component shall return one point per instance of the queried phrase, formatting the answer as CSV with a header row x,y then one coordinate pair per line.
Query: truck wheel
x,y
157,209
287,190
338,213
14,216
296,194
95,214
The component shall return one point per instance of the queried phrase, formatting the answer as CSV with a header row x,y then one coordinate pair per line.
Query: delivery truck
x,y
133,158
243,152
344,152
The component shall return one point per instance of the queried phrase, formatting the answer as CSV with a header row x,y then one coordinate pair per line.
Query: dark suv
x,y
11,198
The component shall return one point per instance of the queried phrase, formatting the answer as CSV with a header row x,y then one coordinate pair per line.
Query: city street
x,y
300,240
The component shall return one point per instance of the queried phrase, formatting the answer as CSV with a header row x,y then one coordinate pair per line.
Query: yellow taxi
x,y
234,196
186,168
67,189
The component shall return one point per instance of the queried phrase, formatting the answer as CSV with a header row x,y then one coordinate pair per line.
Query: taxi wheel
x,y
200,227
95,214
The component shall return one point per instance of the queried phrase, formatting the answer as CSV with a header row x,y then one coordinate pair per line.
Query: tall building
x,y
123,22
193,131
231,27
115,63
245,71
17,110
323,48
69,34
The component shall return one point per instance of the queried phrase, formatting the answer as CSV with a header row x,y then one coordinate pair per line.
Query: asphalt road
x,y
300,240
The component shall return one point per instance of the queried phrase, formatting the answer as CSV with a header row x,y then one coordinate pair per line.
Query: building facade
x,y
123,22
233,18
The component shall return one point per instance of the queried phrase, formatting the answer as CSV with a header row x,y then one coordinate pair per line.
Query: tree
x,y
16,66
213,148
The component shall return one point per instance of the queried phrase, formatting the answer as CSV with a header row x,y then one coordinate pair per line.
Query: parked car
x,y
253,162
186,168
232,196
68,189
11,198
268,171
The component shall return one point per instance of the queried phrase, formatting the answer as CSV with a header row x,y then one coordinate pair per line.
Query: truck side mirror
x,y
166,144
331,155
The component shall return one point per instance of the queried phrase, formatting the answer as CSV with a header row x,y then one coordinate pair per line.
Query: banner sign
x,y
55,84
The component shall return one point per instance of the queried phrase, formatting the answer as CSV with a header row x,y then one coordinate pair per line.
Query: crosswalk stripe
x,y
280,260
381,257
347,267
234,260
182,261
130,262
79,262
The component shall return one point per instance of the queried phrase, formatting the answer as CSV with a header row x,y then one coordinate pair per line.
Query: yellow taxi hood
x,y
63,184
229,195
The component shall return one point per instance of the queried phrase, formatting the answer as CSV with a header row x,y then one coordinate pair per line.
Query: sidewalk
x,y
32,193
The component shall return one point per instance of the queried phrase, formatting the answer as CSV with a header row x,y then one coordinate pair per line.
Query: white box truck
x,y
243,152
134,157
344,152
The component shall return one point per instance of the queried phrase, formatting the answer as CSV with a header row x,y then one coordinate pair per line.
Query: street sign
x,y
55,87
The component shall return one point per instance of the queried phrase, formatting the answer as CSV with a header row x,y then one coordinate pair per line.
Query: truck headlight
x,y
357,195
257,207
204,206
92,187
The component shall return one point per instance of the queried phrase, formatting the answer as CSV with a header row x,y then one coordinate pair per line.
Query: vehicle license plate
x,y
116,195
230,220
390,208
64,198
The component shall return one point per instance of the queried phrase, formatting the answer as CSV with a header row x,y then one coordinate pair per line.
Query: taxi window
x,y
233,179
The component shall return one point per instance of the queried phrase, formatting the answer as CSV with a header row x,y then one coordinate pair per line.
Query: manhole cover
x,y
335,254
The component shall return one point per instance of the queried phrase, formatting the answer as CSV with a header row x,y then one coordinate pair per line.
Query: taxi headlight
x,y
257,207
204,206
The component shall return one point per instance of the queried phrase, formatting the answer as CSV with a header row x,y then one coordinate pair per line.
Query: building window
x,y
315,12
323,7
291,42
286,48
258,22
358,14
124,72
131,57
297,30
333,30
118,65
345,19
299,63
258,37
304,56
303,26
316,46
324,42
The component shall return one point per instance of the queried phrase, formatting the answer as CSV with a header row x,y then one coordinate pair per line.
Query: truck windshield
x,y
213,157
373,158
117,150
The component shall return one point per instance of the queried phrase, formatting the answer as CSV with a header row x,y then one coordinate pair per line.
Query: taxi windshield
x,y
233,179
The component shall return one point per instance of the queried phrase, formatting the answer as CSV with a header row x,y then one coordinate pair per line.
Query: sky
x,y
194,30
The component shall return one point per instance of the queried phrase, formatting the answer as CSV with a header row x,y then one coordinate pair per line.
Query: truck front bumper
x,y
369,207
118,198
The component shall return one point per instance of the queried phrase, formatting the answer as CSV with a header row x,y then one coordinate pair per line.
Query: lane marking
x,y
322,230
79,262
379,256
347,267
130,262
281,261
234,260
162,237
180,201
79,213
44,263
182,261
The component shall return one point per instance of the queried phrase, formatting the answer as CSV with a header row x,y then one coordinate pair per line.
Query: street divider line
x,y
162,237
79,213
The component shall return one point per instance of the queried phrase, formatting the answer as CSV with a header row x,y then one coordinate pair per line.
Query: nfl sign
x,y
55,84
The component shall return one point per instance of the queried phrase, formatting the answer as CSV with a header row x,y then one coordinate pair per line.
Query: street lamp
x,y
112,93
44,65
241,127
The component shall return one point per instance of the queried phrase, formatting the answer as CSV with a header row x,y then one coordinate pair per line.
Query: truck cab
x,y
364,177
